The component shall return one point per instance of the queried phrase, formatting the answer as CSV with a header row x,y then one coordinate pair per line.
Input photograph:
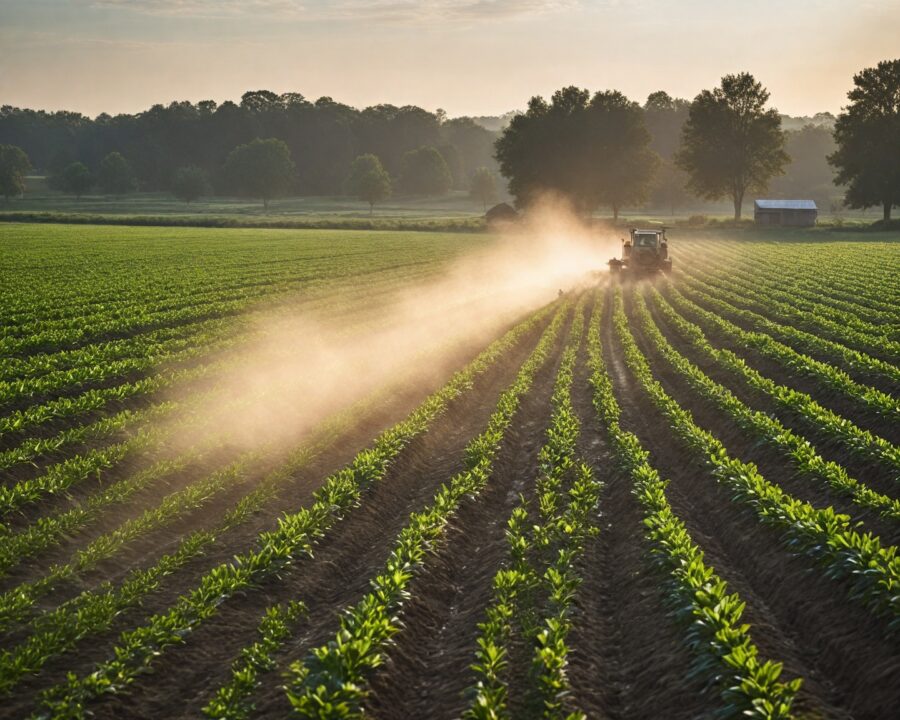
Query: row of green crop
x,y
124,296
137,346
711,618
52,276
686,301
824,422
822,277
92,611
852,359
49,530
233,701
332,680
65,408
542,564
16,602
858,276
870,572
168,339
747,295
797,450
31,419
31,450
44,281
62,476
785,288
294,537
68,382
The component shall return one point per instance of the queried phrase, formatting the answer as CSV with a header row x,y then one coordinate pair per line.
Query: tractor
x,y
645,253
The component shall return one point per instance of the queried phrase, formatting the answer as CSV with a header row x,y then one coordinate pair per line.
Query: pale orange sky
x,y
473,57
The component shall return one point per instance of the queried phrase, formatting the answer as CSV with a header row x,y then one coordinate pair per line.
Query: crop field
x,y
274,473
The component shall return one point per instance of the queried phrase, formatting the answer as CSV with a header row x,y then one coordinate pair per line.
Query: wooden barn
x,y
796,213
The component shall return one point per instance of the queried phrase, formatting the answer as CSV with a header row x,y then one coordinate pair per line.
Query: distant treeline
x,y
324,137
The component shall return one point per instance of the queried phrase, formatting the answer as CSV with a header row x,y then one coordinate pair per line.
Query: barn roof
x,y
786,204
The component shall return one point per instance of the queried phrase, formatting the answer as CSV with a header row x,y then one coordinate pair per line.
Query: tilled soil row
x,y
627,659
144,551
861,375
338,574
427,670
797,616
773,465
237,620
824,395
873,474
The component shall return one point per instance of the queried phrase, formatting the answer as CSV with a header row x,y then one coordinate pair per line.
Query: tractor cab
x,y
646,251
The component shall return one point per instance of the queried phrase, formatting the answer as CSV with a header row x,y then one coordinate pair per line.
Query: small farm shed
x,y
798,213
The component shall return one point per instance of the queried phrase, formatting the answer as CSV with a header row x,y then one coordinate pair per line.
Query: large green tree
x,y
368,180
424,172
731,144
590,150
261,169
115,175
14,163
867,133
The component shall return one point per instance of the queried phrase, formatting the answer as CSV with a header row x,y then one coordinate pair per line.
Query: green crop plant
x,y
711,617
823,535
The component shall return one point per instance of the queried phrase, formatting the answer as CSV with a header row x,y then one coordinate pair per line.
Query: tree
x,y
14,163
730,143
261,169
425,172
75,179
190,183
867,134
115,176
484,187
368,180
590,150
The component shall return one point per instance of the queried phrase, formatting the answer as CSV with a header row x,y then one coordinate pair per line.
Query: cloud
x,y
346,10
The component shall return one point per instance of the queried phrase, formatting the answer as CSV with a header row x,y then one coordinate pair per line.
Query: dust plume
x,y
301,367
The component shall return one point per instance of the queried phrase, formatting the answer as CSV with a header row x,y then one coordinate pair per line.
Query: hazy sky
x,y
475,57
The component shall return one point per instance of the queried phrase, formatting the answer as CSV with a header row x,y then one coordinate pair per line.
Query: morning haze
x,y
470,57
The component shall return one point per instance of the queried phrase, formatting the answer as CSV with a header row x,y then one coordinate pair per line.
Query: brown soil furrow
x,y
872,473
334,578
863,375
797,616
772,463
235,625
626,658
834,400
427,671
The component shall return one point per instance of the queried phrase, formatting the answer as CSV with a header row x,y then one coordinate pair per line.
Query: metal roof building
x,y
796,213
